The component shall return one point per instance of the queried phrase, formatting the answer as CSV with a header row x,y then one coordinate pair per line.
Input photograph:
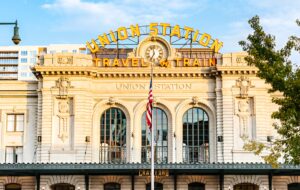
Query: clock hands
x,y
153,53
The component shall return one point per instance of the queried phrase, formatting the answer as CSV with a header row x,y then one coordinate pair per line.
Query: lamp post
x,y
16,37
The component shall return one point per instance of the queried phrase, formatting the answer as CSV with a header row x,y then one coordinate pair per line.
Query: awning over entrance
x,y
23,169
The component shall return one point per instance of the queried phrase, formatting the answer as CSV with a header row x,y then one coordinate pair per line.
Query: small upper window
x,y
23,60
33,53
32,60
15,122
24,53
23,74
82,51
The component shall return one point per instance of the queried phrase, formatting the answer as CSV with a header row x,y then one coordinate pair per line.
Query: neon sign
x,y
154,29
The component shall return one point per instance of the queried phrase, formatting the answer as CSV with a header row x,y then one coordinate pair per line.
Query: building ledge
x,y
31,169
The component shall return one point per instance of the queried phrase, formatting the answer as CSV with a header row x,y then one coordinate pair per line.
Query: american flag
x,y
149,107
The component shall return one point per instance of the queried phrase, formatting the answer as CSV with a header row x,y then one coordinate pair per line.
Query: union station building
x,y
82,126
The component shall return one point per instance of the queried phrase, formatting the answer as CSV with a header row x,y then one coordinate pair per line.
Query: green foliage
x,y
276,68
255,147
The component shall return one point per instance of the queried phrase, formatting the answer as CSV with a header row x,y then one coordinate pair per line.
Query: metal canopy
x,y
23,169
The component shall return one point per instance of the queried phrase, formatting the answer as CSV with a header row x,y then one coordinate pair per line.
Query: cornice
x,y
95,72
235,70
129,72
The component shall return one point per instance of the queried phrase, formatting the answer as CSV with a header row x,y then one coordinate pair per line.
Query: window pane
x,y
9,155
195,136
113,136
33,53
10,122
23,60
24,53
20,123
160,130
19,154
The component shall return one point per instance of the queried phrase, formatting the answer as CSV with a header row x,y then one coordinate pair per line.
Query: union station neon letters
x,y
186,32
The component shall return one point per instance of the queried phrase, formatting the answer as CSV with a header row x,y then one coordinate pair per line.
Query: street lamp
x,y
16,37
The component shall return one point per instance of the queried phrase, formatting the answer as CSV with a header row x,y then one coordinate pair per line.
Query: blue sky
x,y
77,21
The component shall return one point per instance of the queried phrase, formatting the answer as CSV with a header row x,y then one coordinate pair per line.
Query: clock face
x,y
156,52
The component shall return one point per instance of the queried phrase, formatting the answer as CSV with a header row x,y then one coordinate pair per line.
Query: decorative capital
x,y
63,83
244,84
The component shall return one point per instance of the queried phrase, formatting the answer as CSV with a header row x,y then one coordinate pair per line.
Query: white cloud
x,y
82,15
95,17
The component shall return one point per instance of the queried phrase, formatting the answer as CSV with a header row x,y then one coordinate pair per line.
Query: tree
x,y
277,70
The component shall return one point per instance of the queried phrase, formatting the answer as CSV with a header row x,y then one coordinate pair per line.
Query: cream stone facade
x,y
61,115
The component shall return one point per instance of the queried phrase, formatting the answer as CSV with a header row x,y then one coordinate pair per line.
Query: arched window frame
x,y
195,143
113,142
161,147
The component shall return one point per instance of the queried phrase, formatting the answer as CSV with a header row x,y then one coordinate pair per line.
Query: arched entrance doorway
x,y
13,186
245,186
62,186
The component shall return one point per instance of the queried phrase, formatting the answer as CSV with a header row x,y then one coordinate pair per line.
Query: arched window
x,y
157,186
195,126
196,186
294,186
245,186
13,186
160,130
113,136
112,186
63,186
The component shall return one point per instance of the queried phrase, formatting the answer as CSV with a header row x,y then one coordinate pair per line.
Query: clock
x,y
155,52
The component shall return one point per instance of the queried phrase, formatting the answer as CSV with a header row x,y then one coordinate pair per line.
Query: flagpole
x,y
152,137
